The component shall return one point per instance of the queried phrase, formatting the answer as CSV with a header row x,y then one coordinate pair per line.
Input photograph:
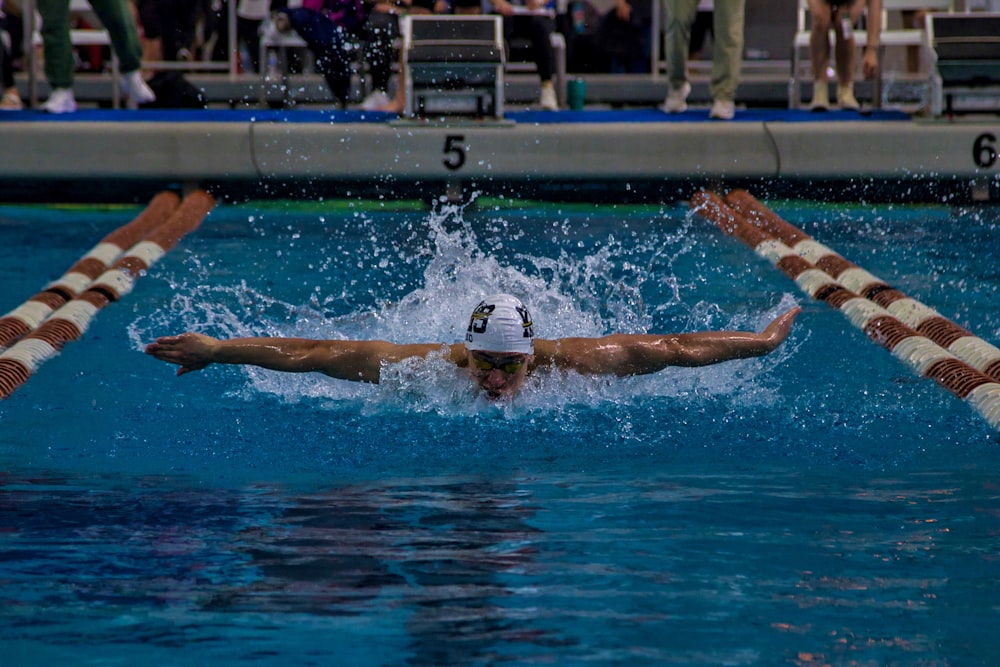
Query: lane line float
x,y
71,320
26,317
924,355
956,339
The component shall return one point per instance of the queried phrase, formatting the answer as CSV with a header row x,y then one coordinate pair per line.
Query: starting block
x,y
965,49
453,66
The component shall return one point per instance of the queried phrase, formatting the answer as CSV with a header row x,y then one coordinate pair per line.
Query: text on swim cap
x,y
481,317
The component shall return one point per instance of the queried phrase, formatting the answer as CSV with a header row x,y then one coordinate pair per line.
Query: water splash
x,y
458,258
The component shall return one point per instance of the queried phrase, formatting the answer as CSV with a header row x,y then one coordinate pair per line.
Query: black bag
x,y
173,91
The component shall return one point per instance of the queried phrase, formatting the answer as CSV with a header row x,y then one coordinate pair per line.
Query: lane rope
x,y
928,322
68,322
928,358
30,314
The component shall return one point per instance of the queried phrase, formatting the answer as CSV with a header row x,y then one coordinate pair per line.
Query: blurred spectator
x,y
528,28
250,15
11,33
379,100
532,24
380,35
148,25
841,17
625,36
176,24
331,30
727,54
117,19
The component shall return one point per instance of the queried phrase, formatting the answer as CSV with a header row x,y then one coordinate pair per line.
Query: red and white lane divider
x,y
772,239
26,317
925,320
72,319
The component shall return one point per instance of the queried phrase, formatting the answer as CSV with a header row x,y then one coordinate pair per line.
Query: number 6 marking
x,y
454,144
984,152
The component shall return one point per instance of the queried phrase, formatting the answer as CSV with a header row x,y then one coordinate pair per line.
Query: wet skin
x,y
498,374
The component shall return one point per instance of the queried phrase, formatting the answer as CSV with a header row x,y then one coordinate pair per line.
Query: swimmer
x,y
500,350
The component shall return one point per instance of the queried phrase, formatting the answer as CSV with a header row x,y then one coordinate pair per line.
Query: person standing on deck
x,y
117,19
841,16
727,54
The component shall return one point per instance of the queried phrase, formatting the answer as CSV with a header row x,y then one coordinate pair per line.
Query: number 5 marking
x,y
454,146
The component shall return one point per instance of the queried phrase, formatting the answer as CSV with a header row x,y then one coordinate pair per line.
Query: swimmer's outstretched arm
x,y
344,359
638,354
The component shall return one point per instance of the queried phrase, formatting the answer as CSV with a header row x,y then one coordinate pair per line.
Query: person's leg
x,y
328,44
727,49
248,33
57,47
6,55
846,52
380,32
118,20
120,24
10,99
678,18
821,18
538,32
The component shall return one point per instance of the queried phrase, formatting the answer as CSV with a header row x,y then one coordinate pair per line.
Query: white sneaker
x,y
676,101
11,100
377,100
135,89
821,96
547,100
60,100
722,110
846,99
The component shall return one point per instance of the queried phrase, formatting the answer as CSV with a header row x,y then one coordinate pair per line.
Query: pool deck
x,y
614,155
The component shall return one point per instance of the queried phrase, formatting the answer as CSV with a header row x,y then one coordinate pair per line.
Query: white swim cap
x,y
501,323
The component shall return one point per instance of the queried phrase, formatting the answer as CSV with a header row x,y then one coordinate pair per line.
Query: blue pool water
x,y
822,505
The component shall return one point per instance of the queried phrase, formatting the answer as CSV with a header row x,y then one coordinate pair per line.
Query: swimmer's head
x,y
501,323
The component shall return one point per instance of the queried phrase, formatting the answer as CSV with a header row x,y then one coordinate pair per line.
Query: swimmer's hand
x,y
190,351
776,332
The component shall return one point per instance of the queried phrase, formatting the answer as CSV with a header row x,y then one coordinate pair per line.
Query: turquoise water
x,y
822,505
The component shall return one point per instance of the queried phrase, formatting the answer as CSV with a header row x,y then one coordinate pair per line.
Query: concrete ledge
x,y
904,149
67,150
627,155
514,152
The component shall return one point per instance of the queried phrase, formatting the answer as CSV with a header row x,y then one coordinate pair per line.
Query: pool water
x,y
821,505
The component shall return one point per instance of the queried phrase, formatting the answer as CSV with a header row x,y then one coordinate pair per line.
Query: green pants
x,y
117,20
727,43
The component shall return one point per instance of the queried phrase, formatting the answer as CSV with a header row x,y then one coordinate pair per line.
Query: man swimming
x,y
500,350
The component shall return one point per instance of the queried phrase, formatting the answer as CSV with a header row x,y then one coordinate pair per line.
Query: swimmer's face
x,y
498,374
